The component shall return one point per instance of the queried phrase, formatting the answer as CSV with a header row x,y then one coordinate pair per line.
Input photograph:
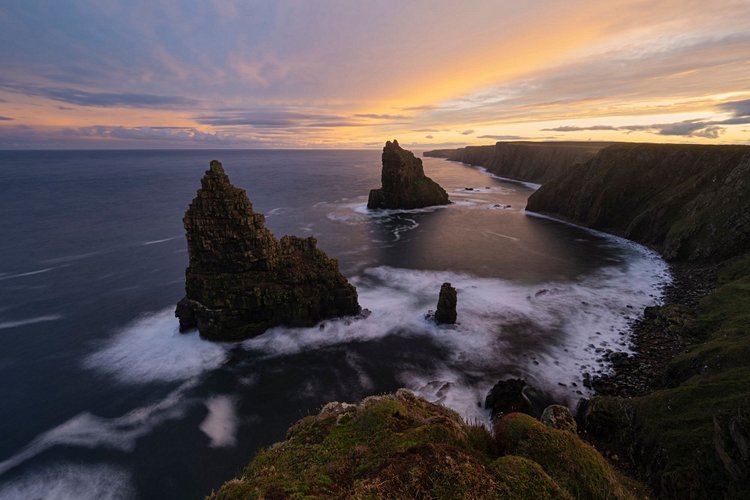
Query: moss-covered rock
x,y
404,184
571,463
401,446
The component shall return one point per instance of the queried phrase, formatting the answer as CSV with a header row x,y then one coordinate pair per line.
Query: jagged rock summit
x,y
404,183
241,280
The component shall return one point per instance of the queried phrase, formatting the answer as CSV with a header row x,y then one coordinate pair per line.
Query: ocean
x,y
103,398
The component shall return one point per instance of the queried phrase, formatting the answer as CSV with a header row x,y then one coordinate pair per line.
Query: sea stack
x,y
404,184
241,280
446,307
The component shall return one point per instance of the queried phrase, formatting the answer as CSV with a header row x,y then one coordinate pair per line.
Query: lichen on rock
x,y
404,184
241,280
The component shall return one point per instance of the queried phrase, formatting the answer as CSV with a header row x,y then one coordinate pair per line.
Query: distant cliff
x,y
526,161
404,184
691,202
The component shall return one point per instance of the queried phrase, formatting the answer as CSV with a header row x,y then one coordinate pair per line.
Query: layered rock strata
x,y
404,184
241,280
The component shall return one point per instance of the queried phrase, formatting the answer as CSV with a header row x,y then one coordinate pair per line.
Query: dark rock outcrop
x,y
404,184
525,161
446,306
507,397
242,280
691,202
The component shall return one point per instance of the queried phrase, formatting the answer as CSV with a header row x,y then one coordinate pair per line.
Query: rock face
x,y
507,397
242,280
559,417
446,307
691,202
404,183
525,161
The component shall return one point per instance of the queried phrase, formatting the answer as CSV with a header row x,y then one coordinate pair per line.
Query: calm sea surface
x,y
103,398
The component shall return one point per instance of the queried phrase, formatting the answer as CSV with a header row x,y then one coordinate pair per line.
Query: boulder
x,y
559,417
241,280
446,307
507,397
404,184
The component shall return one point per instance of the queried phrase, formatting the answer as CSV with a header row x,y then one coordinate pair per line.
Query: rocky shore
x,y
647,368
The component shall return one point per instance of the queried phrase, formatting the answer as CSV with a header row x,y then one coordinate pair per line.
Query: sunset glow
x,y
342,74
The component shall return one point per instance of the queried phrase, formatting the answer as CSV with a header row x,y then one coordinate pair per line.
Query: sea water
x,y
102,397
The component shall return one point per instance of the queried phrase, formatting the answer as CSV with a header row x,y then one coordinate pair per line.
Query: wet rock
x,y
446,307
559,417
506,397
404,184
241,280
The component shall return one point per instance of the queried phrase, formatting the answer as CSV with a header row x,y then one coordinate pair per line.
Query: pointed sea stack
x,y
446,307
242,280
404,183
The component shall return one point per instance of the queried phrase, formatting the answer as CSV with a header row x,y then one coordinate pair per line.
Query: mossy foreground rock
x,y
401,446
242,280
404,183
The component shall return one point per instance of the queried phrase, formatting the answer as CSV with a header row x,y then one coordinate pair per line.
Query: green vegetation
x,y
401,446
692,439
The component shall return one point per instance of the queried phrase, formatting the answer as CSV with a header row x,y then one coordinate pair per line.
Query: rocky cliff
x,y
691,202
241,280
404,184
400,446
525,161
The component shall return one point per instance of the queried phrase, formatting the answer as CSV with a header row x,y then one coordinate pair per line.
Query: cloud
x,y
467,132
738,108
503,137
277,118
381,117
570,128
429,137
5,118
99,99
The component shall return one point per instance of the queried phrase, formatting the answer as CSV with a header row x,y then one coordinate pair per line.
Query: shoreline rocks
x,y
241,280
404,184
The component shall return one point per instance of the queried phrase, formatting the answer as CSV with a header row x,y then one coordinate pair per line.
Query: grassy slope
x,y
401,446
673,434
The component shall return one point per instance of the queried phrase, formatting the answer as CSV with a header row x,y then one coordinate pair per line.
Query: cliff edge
x,y
691,202
241,280
524,161
404,184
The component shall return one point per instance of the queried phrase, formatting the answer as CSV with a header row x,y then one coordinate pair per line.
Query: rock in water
x,y
404,182
242,280
446,307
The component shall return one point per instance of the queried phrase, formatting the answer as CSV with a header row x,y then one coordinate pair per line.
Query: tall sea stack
x,y
241,280
404,183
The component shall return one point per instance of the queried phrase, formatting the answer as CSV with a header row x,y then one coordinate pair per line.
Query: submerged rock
x,y
242,280
404,182
446,307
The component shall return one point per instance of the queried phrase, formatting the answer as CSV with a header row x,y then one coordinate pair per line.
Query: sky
x,y
352,74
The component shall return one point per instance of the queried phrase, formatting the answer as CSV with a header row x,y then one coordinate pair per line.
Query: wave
x,y
69,481
30,321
